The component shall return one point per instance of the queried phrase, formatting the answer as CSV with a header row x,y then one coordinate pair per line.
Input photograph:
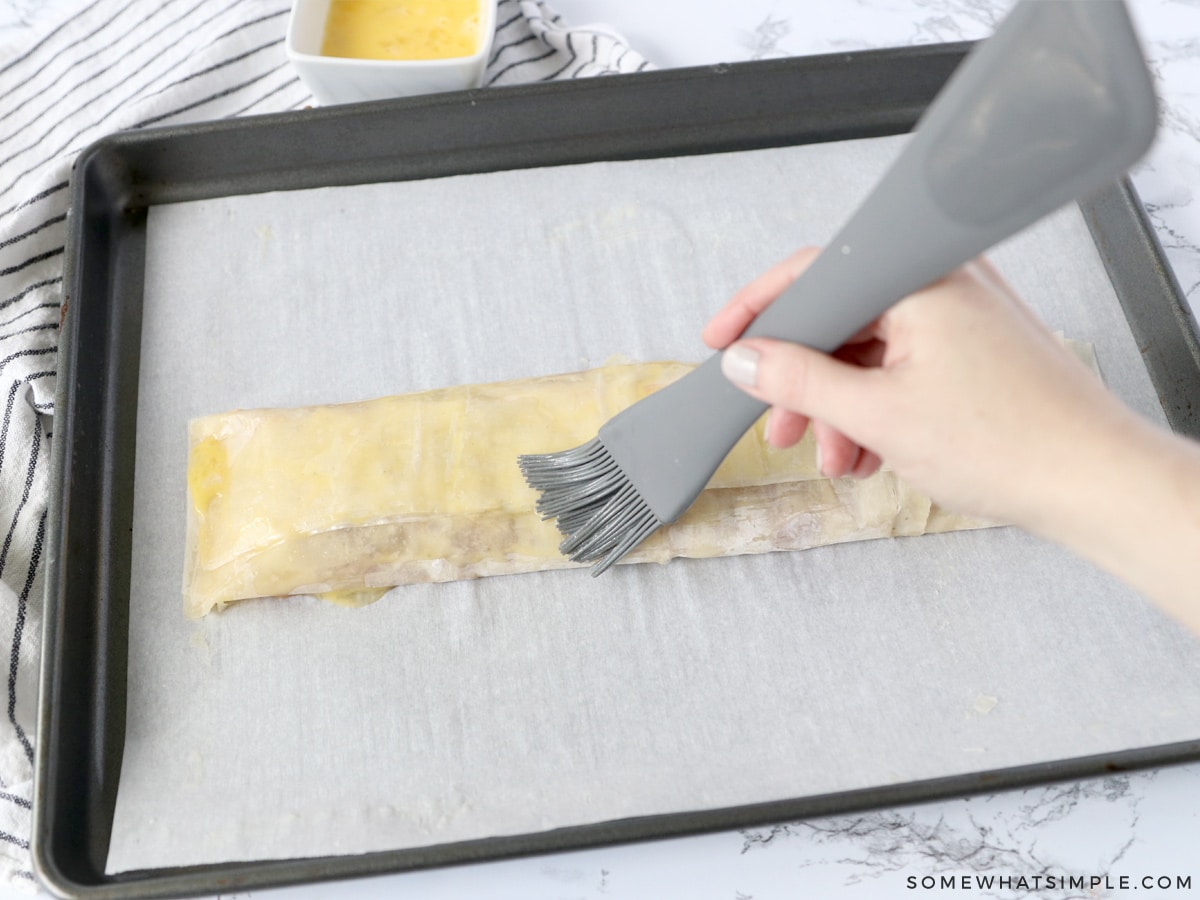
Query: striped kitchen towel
x,y
113,65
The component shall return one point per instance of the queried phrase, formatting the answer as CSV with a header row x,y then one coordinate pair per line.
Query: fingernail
x,y
820,465
739,364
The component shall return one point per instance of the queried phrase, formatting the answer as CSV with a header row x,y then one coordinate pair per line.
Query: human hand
x,y
968,397
959,387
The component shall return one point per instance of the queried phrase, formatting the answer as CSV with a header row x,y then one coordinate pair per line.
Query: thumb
x,y
800,379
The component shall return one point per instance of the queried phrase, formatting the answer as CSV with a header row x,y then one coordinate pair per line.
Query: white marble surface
x,y
1135,826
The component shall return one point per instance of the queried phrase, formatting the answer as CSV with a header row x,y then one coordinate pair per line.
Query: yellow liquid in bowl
x,y
401,29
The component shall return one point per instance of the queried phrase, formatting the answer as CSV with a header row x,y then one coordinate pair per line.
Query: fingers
x,y
838,456
868,464
729,322
785,428
800,379
800,383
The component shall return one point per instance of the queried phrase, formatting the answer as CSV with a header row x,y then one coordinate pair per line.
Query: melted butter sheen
x,y
335,500
401,29
353,598
343,501
260,477
208,470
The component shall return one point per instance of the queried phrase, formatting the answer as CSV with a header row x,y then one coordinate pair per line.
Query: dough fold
x,y
344,500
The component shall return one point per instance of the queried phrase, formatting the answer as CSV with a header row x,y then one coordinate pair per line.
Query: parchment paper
x,y
286,728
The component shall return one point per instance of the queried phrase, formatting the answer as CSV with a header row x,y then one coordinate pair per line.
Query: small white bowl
x,y
336,79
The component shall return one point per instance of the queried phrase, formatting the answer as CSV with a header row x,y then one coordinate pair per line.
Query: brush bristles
x,y
598,510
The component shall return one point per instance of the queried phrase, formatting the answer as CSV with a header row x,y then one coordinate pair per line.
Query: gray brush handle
x,y
1057,103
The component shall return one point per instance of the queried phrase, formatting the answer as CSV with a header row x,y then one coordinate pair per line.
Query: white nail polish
x,y
739,364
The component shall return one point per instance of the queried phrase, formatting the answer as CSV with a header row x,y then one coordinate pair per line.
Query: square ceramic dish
x,y
334,79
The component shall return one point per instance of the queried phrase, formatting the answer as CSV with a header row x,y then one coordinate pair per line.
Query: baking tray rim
x,y
119,177
186,881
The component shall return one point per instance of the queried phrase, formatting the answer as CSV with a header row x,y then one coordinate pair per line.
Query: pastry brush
x,y
1056,103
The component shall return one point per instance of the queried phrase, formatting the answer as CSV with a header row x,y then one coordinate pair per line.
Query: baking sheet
x,y
520,704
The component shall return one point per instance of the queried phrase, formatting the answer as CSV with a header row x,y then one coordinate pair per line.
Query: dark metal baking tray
x,y
679,112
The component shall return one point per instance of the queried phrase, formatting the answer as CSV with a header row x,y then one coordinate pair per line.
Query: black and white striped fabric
x,y
113,65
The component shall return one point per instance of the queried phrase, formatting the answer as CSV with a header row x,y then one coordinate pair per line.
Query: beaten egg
x,y
401,29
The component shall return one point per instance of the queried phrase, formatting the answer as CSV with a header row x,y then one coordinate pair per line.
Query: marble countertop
x,y
1121,829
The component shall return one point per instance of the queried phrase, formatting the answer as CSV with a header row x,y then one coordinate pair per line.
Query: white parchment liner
x,y
521,703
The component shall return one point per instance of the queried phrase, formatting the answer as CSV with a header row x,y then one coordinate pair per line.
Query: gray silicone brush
x,y
1055,104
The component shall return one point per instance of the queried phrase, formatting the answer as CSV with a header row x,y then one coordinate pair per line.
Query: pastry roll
x,y
347,500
